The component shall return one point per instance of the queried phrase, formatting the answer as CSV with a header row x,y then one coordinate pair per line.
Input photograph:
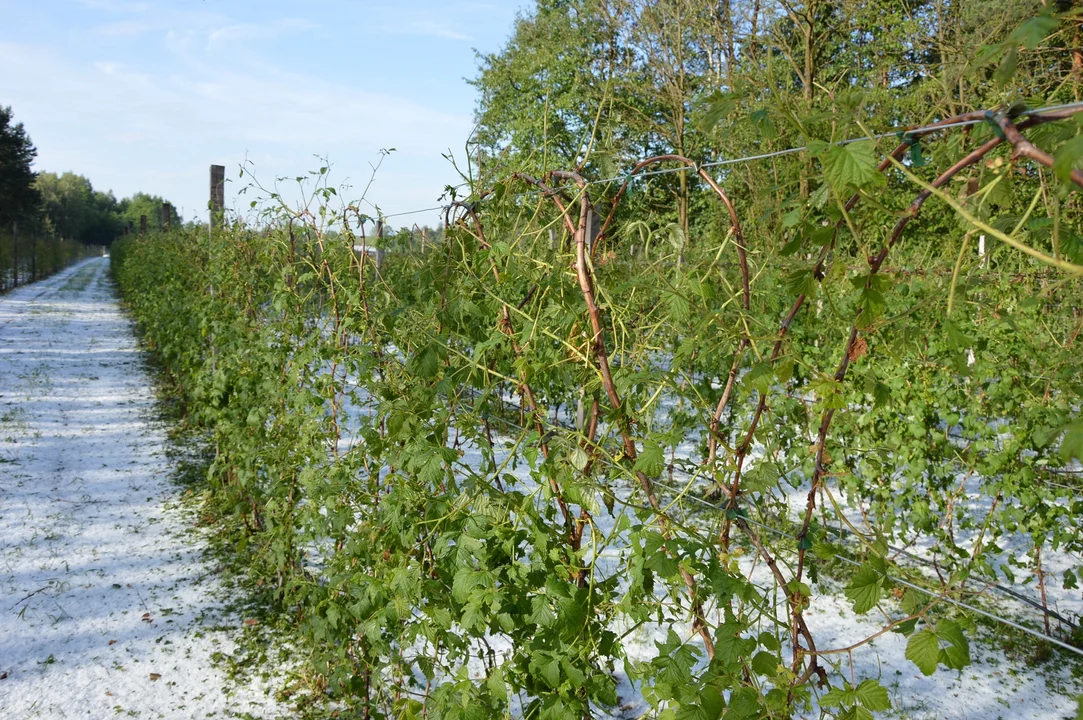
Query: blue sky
x,y
145,95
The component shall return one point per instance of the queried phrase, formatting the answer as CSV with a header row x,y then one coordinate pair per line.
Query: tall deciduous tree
x,y
710,80
72,209
141,204
540,96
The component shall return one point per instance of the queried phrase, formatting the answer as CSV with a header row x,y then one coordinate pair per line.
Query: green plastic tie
x,y
907,139
991,118
914,143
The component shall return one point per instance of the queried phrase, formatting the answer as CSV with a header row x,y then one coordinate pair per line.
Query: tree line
x,y
59,206
597,85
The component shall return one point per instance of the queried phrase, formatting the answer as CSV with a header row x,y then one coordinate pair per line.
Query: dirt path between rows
x,y
107,605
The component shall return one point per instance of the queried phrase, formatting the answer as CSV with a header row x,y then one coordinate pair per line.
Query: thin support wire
x,y
626,177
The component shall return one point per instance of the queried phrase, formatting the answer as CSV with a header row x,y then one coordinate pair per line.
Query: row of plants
x,y
473,475
29,259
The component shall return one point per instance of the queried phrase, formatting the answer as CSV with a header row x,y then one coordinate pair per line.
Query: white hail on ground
x,y
106,602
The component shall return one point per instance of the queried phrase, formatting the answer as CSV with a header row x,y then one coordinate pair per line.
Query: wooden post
x,y
164,223
143,225
218,195
14,254
594,227
379,250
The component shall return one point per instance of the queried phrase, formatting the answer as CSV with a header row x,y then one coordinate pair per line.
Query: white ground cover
x,y
107,604
108,607
996,685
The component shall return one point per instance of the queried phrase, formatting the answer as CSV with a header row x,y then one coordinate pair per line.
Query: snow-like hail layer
x,y
107,606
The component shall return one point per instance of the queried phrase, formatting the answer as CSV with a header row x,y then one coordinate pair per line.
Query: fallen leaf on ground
x,y
251,621
112,642
155,676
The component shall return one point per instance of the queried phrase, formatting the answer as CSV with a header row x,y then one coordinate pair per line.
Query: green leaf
x,y
652,461
679,309
1071,447
912,601
852,166
764,663
872,305
836,697
856,713
712,703
729,645
578,458
551,672
575,676
923,649
881,395
818,197
1067,158
957,653
432,472
1006,69
463,583
716,107
760,376
769,641
333,615
427,362
824,550
496,684
1031,33
865,589
802,282
541,613
792,247
957,337
473,614
744,702
763,122
872,695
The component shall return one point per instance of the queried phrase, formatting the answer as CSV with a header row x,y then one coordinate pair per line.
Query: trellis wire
x,y
627,177
750,158
786,536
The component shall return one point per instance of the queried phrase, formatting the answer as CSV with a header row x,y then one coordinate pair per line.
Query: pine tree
x,y
18,196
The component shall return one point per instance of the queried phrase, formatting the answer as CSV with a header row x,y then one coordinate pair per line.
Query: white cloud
x,y
127,28
131,129
425,28
146,95
108,68
249,31
115,6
